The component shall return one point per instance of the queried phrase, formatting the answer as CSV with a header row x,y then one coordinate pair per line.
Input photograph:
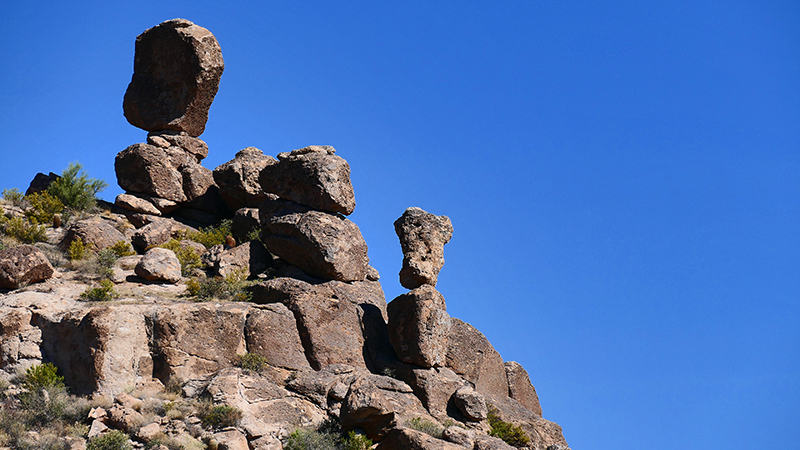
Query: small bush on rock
x,y
75,189
213,235
233,288
113,440
103,293
328,436
43,376
23,230
512,434
122,248
220,416
13,196
425,426
253,362
76,250
42,207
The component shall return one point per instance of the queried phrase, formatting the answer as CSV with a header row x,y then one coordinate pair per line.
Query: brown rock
x,y
271,331
470,355
197,180
419,326
471,404
325,245
245,220
231,440
176,72
96,233
41,182
137,204
124,418
23,265
311,176
148,432
435,387
422,238
157,232
520,387
324,386
542,433
250,258
408,439
459,436
191,144
159,264
148,169
238,178
483,442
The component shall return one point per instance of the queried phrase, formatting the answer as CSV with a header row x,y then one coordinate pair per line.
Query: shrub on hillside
x,y
221,416
253,362
103,293
210,236
187,256
113,440
328,436
13,196
234,288
23,230
512,434
42,207
76,250
425,426
75,189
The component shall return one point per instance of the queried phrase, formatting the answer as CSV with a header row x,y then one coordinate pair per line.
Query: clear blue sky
x,y
623,176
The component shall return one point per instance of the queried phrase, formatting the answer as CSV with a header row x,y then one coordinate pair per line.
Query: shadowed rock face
x,y
176,72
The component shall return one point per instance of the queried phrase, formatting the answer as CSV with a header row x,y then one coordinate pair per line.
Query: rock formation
x,y
329,346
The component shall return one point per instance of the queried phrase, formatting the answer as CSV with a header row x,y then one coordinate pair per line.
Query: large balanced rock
x,y
176,71
422,238
238,178
325,245
23,265
419,326
312,176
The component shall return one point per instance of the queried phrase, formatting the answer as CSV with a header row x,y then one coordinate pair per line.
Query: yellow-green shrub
x,y
42,207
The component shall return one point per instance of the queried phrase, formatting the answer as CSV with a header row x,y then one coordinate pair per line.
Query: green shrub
x,y
221,416
104,293
113,440
253,362
105,262
76,249
23,230
355,441
75,189
211,236
187,256
13,196
425,426
512,434
122,248
42,376
328,436
42,207
233,288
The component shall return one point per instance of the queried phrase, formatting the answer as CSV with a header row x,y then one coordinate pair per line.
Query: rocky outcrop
x,y
312,176
408,439
23,265
419,326
41,182
238,178
176,70
470,355
95,233
520,387
422,238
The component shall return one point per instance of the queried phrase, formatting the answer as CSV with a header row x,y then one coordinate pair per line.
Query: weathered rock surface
x,y
408,439
136,203
147,169
245,221
23,265
176,71
191,144
471,404
97,234
158,232
422,238
435,387
238,178
419,326
470,355
459,436
520,387
311,176
271,331
249,258
491,443
325,245
159,264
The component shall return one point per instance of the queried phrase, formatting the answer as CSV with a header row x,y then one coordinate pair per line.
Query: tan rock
x,y
422,238
231,440
520,387
471,404
159,264
238,178
470,355
137,204
148,432
419,326
96,233
23,265
271,331
408,439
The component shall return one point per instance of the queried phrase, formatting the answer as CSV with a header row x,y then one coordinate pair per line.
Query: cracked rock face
x,y
422,238
176,72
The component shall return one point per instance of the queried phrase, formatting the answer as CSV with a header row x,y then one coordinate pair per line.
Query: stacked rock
x,y
418,321
177,68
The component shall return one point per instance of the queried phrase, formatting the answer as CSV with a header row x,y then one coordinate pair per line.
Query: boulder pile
x,y
331,347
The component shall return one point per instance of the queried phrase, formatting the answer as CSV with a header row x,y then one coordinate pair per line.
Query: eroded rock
x,y
159,264
419,327
422,238
520,387
23,265
238,178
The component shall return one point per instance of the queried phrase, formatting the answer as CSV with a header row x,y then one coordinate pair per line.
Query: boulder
x,y
159,264
311,176
249,258
244,222
176,70
238,178
419,327
377,404
97,234
483,442
136,204
542,433
471,404
327,246
190,144
197,180
41,182
325,386
520,387
147,169
434,387
23,265
408,439
459,436
271,331
157,232
231,440
470,355
422,238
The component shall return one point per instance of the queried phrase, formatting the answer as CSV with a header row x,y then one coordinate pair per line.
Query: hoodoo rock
x,y
418,327
238,178
176,71
312,176
422,238
22,265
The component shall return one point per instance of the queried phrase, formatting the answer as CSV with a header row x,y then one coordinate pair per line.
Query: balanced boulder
x,y
176,71
422,238
238,178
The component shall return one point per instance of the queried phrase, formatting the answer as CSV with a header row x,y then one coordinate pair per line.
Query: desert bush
x,y
13,196
42,207
253,362
187,256
425,426
76,250
75,189
512,434
104,262
221,416
113,440
355,441
233,287
328,436
23,230
174,385
122,248
211,236
42,376
103,293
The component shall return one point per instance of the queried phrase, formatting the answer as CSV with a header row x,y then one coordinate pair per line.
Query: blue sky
x,y
622,176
